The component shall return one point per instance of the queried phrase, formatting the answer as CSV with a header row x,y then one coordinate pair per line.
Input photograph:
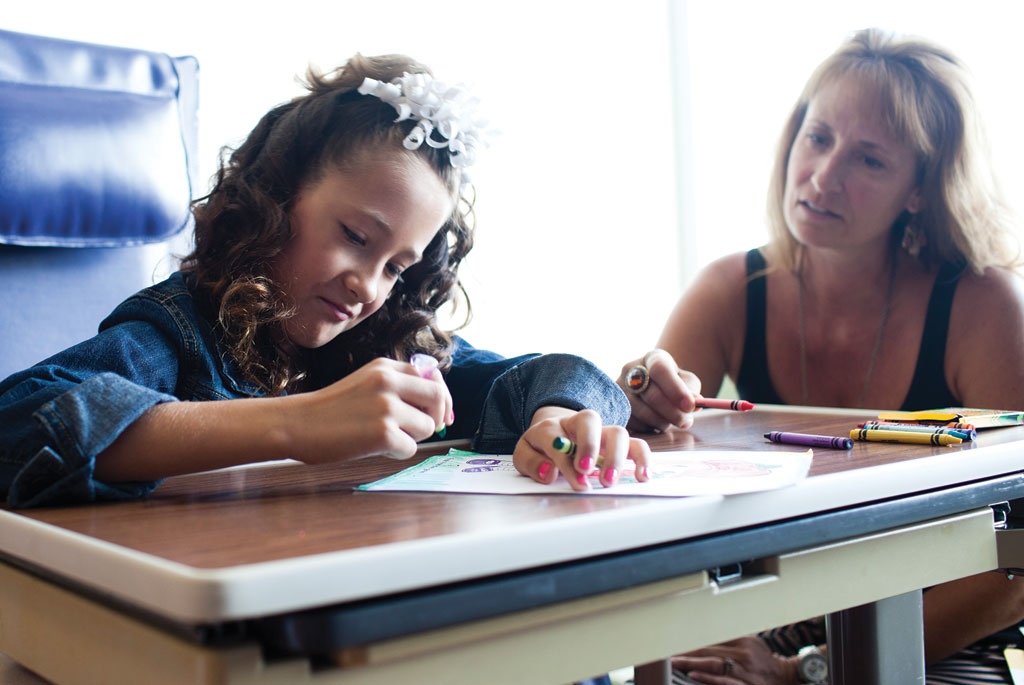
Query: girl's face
x,y
848,178
353,234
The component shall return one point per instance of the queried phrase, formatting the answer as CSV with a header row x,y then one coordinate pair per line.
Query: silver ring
x,y
637,379
728,665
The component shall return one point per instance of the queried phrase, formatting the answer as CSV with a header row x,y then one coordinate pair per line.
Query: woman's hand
x,y
744,661
600,451
665,399
384,408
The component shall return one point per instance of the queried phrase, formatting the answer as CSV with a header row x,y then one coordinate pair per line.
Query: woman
x,y
887,282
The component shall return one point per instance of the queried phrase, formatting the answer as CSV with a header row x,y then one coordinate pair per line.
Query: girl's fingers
x,y
414,420
401,446
448,418
534,463
565,453
640,453
582,449
570,442
584,429
546,472
545,450
433,399
615,447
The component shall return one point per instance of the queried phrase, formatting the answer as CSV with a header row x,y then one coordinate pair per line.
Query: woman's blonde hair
x,y
924,92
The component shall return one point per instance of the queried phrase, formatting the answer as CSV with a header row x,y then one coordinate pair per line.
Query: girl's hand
x,y
600,450
744,661
665,399
384,408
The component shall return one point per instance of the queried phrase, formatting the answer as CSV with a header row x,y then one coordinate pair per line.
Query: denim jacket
x,y
157,347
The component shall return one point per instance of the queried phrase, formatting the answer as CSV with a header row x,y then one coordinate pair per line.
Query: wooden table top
x,y
288,509
278,538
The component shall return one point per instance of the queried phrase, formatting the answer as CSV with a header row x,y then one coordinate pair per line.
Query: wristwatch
x,y
812,666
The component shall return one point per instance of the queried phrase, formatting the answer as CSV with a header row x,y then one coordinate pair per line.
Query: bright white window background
x,y
606,190
576,213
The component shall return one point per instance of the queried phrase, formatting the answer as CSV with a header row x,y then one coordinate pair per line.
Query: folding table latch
x,y
1009,541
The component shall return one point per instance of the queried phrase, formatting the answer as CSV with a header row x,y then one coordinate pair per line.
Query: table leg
x,y
654,673
881,643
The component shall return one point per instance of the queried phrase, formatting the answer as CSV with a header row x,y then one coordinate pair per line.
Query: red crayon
x,y
735,405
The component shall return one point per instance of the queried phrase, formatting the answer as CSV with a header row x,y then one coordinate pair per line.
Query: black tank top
x,y
928,388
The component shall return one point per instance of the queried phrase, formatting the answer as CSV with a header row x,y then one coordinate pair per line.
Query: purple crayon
x,y
810,440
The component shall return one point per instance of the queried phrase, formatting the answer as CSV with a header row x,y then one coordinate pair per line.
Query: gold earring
x,y
913,240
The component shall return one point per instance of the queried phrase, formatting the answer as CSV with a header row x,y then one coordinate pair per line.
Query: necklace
x,y
874,351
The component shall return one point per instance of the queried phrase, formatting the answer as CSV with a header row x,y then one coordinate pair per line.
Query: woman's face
x,y
353,234
848,178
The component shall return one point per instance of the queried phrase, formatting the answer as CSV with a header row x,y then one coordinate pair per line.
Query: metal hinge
x,y
726,574
1009,541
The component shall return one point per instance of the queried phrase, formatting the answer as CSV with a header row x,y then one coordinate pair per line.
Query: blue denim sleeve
x,y
495,398
57,416
81,423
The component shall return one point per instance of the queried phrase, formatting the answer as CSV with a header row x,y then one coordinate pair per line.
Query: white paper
x,y
673,474
1015,661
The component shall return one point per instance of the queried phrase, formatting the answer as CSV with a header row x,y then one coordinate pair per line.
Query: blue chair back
x,y
97,166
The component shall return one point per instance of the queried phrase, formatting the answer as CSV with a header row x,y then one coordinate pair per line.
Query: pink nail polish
x,y
610,476
642,473
586,463
451,417
543,471
581,479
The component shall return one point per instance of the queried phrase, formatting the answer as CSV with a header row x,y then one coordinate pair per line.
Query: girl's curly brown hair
x,y
242,225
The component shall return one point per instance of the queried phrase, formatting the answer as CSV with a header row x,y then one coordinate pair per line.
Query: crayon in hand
x,y
712,403
564,445
425,366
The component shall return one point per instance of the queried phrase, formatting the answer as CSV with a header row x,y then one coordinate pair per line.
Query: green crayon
x,y
564,445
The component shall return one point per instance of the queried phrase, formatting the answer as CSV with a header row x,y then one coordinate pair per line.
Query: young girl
x,y
331,237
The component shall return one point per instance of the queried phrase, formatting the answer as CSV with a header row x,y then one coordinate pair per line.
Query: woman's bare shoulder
x,y
992,291
714,302
734,264
704,328
723,275
984,356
